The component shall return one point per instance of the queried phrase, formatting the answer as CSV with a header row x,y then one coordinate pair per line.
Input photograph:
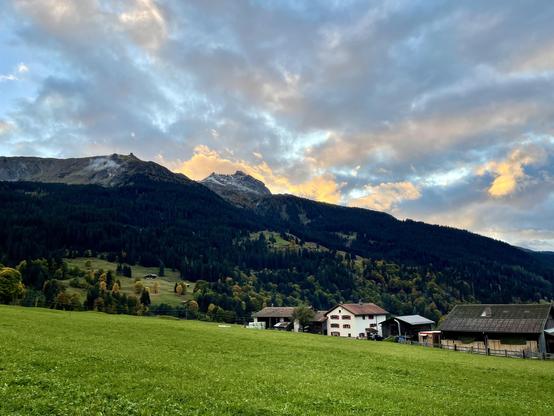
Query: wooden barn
x,y
281,318
407,326
513,328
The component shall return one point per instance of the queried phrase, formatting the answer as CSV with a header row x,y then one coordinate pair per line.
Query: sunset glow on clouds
x,y
439,111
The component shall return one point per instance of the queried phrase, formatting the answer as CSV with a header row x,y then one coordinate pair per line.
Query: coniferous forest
x,y
285,251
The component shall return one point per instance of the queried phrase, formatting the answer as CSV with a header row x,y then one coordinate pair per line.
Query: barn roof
x,y
275,312
285,312
520,319
361,309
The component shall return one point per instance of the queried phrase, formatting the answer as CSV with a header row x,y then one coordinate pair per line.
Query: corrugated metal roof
x,y
415,320
521,319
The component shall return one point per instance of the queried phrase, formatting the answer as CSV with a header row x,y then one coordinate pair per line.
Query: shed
x,y
407,325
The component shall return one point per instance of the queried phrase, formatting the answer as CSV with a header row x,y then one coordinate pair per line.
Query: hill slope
x,y
89,363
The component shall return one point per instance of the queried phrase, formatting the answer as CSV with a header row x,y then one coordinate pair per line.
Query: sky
x,y
438,111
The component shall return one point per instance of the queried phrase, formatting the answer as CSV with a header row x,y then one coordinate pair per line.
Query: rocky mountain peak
x,y
239,188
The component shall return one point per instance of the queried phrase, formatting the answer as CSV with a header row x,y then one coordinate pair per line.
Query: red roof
x,y
362,308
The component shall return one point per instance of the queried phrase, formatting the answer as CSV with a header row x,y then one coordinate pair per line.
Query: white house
x,y
355,320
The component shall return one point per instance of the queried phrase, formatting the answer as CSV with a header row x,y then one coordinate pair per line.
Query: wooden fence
x,y
486,351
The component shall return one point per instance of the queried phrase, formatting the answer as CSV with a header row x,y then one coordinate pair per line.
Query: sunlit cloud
x,y
145,23
206,161
386,196
510,172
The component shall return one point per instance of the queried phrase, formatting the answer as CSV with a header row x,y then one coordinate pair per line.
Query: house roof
x,y
520,319
412,320
285,312
361,309
319,316
274,312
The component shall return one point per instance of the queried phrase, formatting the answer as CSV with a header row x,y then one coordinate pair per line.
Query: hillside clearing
x,y
166,283
56,362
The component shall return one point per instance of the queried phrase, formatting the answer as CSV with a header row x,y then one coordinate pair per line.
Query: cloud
x,y
509,173
145,23
205,161
386,196
22,68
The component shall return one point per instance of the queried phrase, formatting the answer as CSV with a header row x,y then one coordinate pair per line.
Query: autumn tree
x,y
145,297
138,287
156,287
11,286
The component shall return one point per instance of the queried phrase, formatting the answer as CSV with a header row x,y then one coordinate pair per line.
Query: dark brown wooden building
x,y
513,328
407,326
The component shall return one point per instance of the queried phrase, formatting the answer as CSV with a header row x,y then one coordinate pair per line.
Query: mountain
x,y
239,189
251,247
114,170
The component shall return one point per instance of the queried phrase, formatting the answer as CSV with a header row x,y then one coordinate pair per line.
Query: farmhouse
x,y
281,318
407,326
356,320
513,328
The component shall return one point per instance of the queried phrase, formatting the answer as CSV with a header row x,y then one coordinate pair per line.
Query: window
x,y
369,316
361,335
345,316
335,334
335,326
335,317
346,326
373,325
349,335
363,316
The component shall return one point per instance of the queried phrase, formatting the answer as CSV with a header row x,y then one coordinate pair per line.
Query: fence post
x,y
506,353
455,348
488,351
522,353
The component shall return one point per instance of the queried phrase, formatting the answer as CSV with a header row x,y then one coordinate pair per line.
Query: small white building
x,y
355,320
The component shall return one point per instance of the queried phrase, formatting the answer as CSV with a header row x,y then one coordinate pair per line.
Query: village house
x,y
281,318
510,328
356,320
407,326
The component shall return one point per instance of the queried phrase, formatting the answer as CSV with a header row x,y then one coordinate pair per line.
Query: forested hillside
x,y
308,252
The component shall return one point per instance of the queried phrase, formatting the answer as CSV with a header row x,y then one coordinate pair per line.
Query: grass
x,y
167,282
86,363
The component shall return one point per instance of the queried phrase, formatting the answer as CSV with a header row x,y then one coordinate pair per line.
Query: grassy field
x,y
86,363
167,282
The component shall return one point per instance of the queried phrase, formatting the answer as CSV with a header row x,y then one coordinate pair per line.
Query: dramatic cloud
x,y
205,161
385,196
510,172
436,110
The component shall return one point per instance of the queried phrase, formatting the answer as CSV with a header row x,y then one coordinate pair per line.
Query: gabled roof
x,y
520,319
412,320
274,312
285,312
361,309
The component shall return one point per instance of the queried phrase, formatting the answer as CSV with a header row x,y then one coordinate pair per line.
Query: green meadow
x,y
88,363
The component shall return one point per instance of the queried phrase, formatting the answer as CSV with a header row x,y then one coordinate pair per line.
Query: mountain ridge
x,y
282,248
